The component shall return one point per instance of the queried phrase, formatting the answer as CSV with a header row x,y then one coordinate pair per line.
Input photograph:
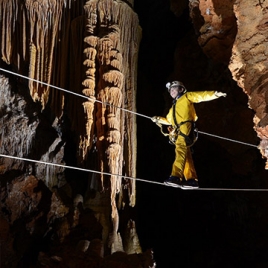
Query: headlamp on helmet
x,y
175,84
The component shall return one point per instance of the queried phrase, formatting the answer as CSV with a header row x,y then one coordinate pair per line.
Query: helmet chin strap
x,y
178,96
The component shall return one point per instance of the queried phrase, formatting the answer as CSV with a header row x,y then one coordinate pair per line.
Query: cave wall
x,y
248,62
234,33
88,48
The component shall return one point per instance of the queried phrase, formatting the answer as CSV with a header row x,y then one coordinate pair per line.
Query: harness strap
x,y
161,129
175,119
188,139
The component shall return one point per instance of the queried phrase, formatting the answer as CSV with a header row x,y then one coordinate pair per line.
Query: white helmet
x,y
175,84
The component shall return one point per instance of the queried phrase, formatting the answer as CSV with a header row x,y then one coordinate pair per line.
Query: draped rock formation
x,y
80,58
249,62
112,37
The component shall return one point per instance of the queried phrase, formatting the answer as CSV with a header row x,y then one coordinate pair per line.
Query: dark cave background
x,y
203,228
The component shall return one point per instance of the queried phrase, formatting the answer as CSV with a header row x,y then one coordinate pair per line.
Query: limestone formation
x,y
234,33
89,48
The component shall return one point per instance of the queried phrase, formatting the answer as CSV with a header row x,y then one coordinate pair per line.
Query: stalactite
x,y
90,53
8,17
91,12
37,16
40,22
113,138
116,42
110,44
114,77
32,71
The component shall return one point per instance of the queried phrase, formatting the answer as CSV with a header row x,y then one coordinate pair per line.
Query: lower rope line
x,y
127,177
228,189
76,168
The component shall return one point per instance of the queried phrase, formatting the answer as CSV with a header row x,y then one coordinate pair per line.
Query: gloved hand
x,y
155,119
220,94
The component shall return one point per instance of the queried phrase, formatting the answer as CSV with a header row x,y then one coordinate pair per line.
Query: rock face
x,y
249,62
88,52
234,33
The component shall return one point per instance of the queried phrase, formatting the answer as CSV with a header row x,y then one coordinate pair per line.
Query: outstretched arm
x,y
199,96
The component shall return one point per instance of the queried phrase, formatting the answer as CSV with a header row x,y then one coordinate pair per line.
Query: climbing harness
x,y
173,133
192,137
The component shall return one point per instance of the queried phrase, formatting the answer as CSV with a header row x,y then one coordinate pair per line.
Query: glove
x,y
220,94
155,119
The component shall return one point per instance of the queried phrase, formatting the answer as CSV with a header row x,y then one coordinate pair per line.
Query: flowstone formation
x,y
56,215
109,29
249,62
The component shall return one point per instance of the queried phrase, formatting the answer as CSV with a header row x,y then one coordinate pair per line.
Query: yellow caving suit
x,y
185,111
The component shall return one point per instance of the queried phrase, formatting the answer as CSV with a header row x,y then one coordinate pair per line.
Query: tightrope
x,y
75,168
109,104
73,93
223,138
127,177
227,189
118,175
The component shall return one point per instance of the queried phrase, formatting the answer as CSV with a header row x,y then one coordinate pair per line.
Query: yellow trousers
x,y
183,164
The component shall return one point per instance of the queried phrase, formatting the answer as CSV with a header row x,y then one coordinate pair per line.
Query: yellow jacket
x,y
185,109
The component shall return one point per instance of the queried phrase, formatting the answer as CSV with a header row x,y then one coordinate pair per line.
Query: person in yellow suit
x,y
181,117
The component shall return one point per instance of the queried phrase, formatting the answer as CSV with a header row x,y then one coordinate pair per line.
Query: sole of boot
x,y
187,187
172,184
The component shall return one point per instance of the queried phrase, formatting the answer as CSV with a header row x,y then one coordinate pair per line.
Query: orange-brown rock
x,y
248,63
233,33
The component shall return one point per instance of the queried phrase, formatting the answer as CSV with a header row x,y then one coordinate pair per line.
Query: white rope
x,y
105,173
227,189
71,92
212,135
106,103
127,177
76,168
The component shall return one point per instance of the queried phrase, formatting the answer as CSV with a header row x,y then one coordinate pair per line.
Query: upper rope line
x,y
107,103
128,177
223,138
71,92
